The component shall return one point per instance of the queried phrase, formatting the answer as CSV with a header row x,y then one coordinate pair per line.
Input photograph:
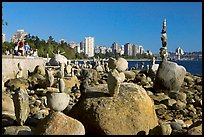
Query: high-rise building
x,y
89,46
115,48
135,50
82,46
20,34
3,37
128,49
77,48
141,49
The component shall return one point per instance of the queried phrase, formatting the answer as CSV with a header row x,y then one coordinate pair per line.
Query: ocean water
x,y
194,67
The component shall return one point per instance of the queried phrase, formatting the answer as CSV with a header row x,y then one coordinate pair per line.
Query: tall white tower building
x,y
89,46
3,37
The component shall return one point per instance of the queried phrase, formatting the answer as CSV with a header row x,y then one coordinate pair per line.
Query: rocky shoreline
x,y
137,109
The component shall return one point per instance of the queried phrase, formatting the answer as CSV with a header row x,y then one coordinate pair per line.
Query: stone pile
x,y
116,101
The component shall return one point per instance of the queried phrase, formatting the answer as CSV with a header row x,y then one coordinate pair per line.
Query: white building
x,y
3,37
122,50
89,46
179,52
141,49
62,41
20,34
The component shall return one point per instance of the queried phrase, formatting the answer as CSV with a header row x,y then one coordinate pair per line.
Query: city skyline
x,y
121,22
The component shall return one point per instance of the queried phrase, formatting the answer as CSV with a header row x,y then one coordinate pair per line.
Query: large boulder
x,y
169,77
132,111
57,59
57,123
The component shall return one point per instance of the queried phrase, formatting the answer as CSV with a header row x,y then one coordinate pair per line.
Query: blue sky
x,y
122,22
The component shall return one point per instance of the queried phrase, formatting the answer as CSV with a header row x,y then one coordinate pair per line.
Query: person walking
x,y
27,48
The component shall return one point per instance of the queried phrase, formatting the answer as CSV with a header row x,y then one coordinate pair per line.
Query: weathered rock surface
x,y
21,104
169,77
112,63
114,80
57,59
129,75
18,130
163,129
130,112
57,123
70,82
14,84
7,105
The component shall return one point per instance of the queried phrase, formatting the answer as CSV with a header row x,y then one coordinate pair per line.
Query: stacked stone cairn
x,y
116,75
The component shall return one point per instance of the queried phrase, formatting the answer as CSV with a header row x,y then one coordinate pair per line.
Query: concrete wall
x,y
10,66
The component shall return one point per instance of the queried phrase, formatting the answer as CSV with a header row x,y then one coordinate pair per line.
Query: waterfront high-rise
x,y
89,46
82,46
115,48
128,49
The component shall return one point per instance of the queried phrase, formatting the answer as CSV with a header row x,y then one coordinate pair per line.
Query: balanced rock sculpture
x,y
116,75
169,76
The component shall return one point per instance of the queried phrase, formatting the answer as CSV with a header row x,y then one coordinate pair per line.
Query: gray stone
x,y
178,96
22,109
129,75
179,105
159,97
61,85
169,77
176,126
169,102
57,59
153,70
160,106
57,101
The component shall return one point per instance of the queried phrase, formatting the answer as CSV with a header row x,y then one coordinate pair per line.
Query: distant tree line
x,y
51,47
